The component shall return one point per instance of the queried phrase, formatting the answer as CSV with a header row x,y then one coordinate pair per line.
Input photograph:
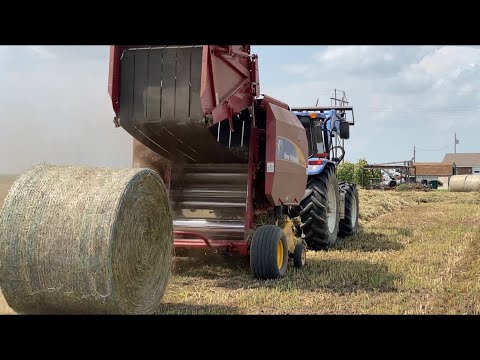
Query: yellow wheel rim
x,y
280,254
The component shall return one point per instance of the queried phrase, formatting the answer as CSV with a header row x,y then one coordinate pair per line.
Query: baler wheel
x,y
299,256
349,225
268,253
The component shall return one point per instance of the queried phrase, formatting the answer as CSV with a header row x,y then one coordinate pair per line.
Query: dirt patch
x,y
4,308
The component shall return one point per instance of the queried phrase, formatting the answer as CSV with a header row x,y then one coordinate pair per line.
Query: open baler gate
x,y
173,99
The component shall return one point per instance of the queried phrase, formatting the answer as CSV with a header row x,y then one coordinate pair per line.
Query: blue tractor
x,y
329,208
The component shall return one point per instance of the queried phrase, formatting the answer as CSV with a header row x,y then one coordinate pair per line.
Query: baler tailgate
x,y
160,103
173,99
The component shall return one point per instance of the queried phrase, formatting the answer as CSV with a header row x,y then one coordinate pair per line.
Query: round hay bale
x,y
85,240
457,183
472,183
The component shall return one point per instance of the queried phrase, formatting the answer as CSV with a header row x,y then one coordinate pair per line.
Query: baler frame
x,y
196,104
227,247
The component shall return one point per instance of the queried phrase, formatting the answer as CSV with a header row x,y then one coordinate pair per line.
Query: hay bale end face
x,y
85,240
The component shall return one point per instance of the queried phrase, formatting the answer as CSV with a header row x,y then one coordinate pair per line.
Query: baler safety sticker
x,y
270,167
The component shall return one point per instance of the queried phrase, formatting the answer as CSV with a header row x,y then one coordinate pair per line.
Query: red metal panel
x,y
252,164
227,84
188,233
269,100
255,76
286,156
239,246
114,76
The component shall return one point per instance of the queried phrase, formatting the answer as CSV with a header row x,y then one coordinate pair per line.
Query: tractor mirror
x,y
344,129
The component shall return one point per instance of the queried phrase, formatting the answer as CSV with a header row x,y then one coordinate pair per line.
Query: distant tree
x,y
346,171
353,172
358,177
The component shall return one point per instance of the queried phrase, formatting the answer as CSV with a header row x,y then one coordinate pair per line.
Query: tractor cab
x,y
314,124
321,128
324,128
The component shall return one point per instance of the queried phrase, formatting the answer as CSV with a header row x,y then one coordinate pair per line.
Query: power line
x,y
416,148
446,112
390,91
420,109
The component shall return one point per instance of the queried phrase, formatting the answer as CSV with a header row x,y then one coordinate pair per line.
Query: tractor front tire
x,y
268,253
349,224
319,210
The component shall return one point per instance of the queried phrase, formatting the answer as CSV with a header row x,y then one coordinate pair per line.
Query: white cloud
x,y
42,52
402,95
448,59
356,57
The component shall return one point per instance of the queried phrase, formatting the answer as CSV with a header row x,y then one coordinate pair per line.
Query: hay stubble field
x,y
417,253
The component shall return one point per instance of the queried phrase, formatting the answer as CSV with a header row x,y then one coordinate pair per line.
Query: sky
x,y
55,107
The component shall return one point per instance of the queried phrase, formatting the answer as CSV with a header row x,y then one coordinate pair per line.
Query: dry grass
x,y
416,254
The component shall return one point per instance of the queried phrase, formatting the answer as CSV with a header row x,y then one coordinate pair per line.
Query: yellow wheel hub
x,y
280,254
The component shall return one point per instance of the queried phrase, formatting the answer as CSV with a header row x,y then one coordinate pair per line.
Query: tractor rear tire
x,y
349,225
269,253
320,219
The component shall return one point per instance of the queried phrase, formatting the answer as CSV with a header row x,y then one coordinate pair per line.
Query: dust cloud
x,y
55,108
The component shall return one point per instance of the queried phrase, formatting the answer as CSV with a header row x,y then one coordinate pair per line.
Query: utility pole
x,y
455,144
414,153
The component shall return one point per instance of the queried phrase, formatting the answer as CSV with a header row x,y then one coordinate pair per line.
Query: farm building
x,y
465,163
434,171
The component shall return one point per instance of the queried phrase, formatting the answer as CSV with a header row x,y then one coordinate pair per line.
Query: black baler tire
x,y
298,254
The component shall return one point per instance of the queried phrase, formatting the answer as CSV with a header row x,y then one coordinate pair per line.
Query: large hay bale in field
x,y
85,240
464,183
